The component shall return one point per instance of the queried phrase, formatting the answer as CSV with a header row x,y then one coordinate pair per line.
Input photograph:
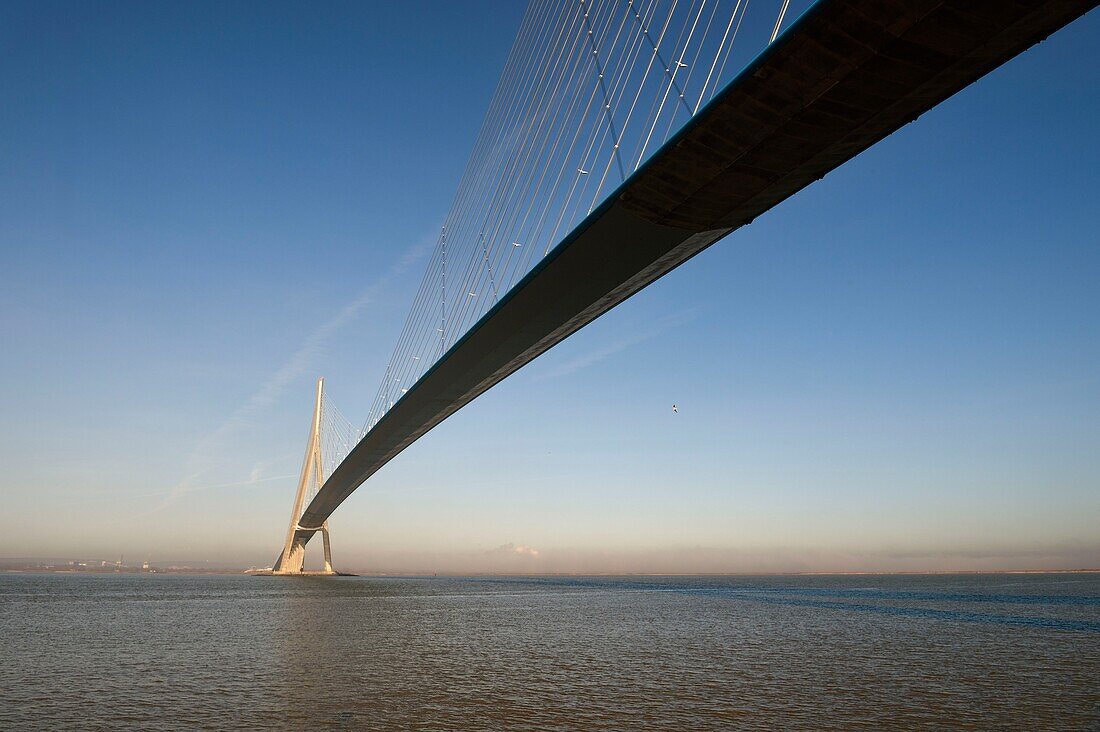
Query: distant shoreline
x,y
445,575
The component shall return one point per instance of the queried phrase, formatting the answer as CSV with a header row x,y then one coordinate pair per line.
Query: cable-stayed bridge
x,y
624,137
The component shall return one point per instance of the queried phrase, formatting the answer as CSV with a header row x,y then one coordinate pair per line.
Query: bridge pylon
x,y
292,559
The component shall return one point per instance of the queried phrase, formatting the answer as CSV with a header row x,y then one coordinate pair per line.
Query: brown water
x,y
815,653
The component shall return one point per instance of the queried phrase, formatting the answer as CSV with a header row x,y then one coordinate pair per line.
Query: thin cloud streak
x,y
584,361
167,491
204,456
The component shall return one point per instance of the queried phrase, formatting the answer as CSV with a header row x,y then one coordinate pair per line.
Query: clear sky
x,y
203,207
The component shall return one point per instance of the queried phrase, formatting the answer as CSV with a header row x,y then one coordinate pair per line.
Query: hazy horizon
x,y
510,559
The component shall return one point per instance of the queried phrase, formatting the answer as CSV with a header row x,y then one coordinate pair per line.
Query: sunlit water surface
x,y
815,653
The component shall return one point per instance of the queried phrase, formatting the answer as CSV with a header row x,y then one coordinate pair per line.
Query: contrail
x,y
587,359
192,489
203,456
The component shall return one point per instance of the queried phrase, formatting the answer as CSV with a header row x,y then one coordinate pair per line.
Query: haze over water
x,y
997,651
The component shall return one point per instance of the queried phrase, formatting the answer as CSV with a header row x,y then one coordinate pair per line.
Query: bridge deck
x,y
844,76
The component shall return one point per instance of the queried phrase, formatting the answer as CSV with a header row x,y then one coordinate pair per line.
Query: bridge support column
x,y
292,559
328,549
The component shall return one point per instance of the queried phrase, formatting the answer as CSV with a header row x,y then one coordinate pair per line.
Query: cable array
x,y
590,89
337,436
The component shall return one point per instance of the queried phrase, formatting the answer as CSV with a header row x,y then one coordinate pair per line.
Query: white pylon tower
x,y
292,560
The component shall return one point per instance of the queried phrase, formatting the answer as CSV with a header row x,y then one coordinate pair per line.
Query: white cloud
x,y
257,471
511,549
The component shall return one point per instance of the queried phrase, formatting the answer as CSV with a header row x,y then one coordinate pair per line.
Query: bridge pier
x,y
328,550
292,559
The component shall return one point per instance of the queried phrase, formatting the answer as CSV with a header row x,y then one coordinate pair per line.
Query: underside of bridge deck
x,y
847,74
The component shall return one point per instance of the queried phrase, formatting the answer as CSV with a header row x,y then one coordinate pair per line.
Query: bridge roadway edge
x,y
751,147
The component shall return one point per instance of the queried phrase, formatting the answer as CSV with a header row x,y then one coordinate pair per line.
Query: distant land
x,y
106,566
112,566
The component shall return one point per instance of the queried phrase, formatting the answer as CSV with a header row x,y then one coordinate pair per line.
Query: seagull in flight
x,y
674,409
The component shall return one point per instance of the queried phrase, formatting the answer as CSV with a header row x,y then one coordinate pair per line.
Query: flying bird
x,y
675,409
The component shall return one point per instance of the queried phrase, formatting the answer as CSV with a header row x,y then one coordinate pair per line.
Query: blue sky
x,y
205,207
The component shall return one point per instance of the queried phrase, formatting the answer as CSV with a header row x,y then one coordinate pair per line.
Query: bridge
x,y
570,163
